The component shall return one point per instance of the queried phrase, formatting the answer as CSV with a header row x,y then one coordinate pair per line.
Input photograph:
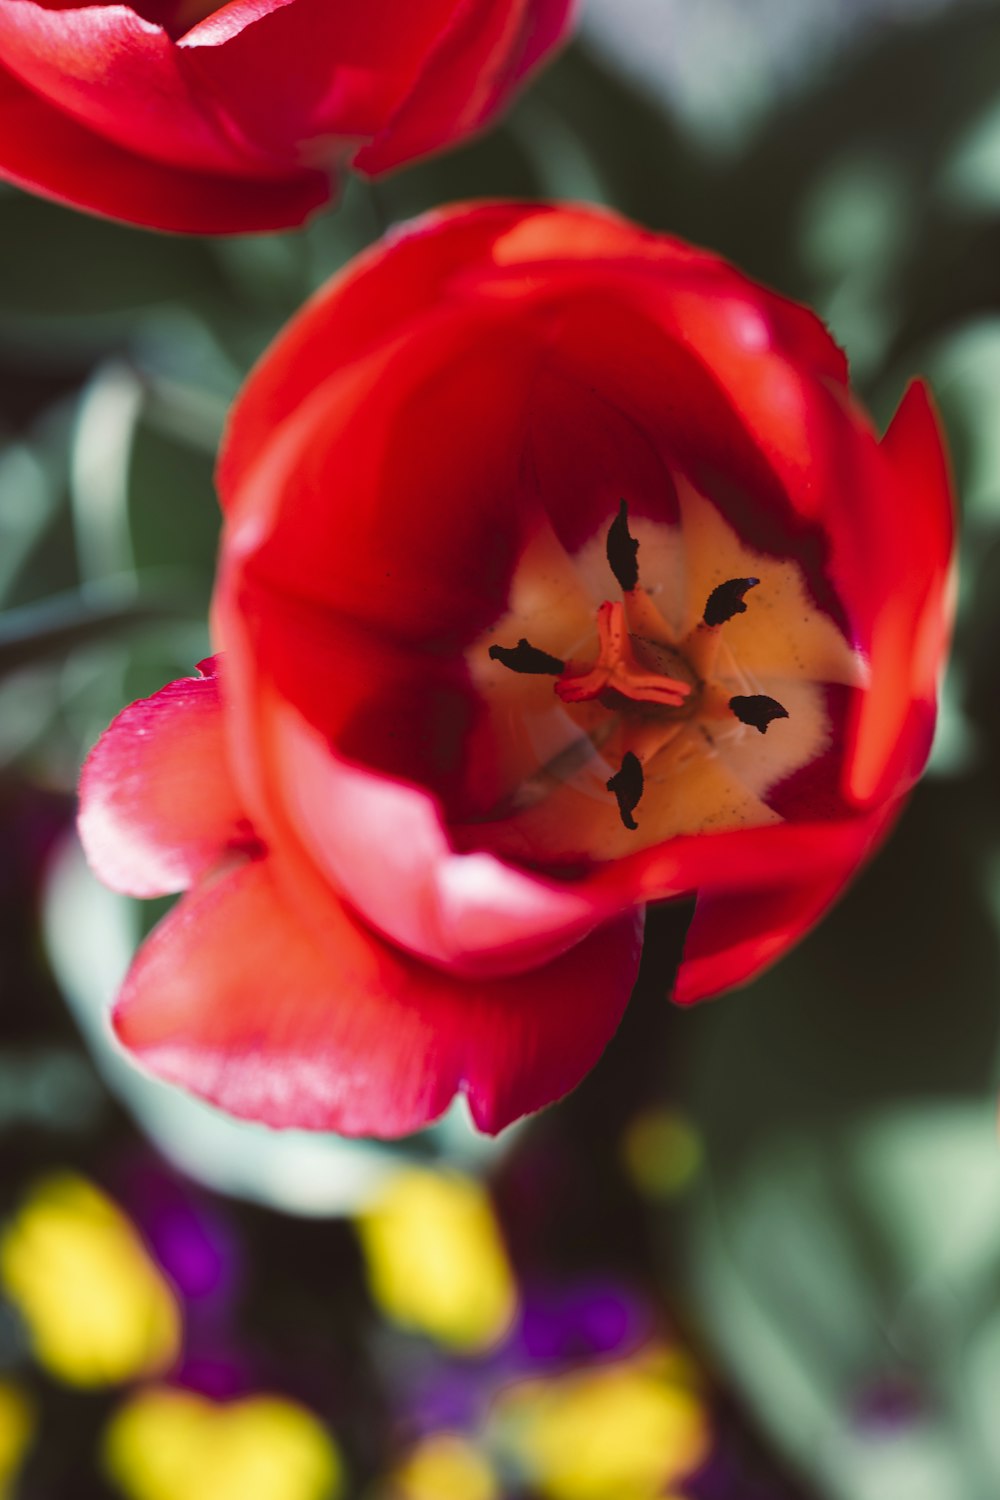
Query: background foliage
x,y
773,1221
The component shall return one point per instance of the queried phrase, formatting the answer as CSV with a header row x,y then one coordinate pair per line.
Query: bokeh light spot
x,y
624,1431
17,1427
171,1445
662,1152
436,1261
445,1466
96,1308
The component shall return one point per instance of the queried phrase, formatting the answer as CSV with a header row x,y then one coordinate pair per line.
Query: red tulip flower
x,y
561,573
220,118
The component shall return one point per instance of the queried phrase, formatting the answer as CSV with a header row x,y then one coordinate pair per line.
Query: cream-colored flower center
x,y
660,682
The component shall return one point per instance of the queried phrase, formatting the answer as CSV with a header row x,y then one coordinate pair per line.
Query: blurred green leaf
x,y
27,504
57,264
173,513
964,370
843,1244
52,627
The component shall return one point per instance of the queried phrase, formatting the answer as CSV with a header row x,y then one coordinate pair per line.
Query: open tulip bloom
x,y
560,574
213,118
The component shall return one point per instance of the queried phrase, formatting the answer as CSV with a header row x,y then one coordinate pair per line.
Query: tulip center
x,y
679,699
650,683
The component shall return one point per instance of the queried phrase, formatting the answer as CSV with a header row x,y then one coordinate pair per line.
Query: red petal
x,y
736,326
237,1001
747,859
584,453
639,317
375,835
124,79
548,23
738,931
757,446
158,807
422,441
383,845
309,72
363,308
44,150
734,938
895,722
472,69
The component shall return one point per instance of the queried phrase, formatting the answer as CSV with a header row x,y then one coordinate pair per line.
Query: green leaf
x,y
842,1245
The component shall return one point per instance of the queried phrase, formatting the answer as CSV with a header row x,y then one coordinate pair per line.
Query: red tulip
x,y
216,119
561,573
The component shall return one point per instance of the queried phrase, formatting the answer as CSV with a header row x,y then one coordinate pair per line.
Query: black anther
x,y
528,659
622,549
627,785
757,709
727,600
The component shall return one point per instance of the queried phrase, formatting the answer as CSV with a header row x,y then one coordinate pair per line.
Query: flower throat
x,y
650,683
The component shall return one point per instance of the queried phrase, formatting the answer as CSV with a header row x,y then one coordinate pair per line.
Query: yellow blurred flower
x,y
174,1445
97,1309
436,1261
661,1152
612,1432
444,1466
17,1428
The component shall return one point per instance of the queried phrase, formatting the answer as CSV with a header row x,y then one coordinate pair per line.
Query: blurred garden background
x,y
756,1256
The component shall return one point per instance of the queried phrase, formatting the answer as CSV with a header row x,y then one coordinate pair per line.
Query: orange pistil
x,y
618,669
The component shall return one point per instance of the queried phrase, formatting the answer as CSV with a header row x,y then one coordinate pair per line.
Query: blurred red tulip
x,y
561,573
218,119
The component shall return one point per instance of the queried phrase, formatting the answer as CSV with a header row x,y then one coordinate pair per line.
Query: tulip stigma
x,y
757,709
526,658
727,600
627,785
622,549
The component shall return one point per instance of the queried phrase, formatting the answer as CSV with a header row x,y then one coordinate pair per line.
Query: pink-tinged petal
x,y
222,24
402,712
472,913
895,722
236,999
45,151
158,807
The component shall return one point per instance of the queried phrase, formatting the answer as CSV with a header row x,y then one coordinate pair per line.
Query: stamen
x,y
757,709
527,659
617,669
727,600
627,785
622,549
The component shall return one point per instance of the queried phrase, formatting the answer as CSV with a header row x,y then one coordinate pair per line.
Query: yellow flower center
x,y
616,723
